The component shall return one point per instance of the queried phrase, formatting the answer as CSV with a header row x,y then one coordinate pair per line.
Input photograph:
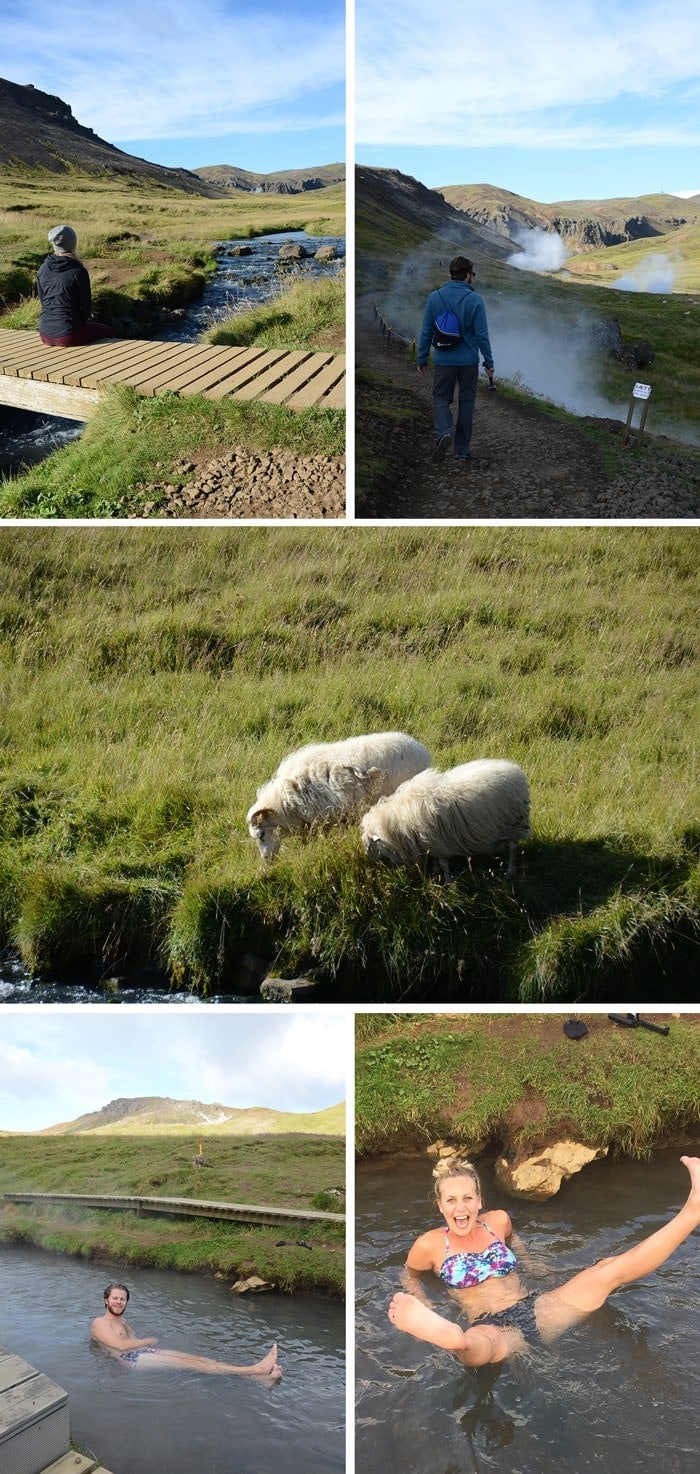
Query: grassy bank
x,y
132,442
307,315
484,1081
279,1171
151,682
141,242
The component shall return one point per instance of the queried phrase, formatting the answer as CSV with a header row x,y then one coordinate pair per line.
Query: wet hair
x,y
454,1167
461,266
109,1288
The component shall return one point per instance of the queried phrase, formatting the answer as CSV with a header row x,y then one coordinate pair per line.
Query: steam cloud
x,y
542,250
651,274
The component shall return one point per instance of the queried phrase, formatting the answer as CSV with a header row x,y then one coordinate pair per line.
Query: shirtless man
x,y
115,1333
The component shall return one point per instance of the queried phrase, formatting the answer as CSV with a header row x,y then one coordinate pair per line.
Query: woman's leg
x,y
474,1347
268,1367
589,1290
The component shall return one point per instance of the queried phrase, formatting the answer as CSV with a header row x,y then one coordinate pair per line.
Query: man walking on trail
x,y
114,1332
457,365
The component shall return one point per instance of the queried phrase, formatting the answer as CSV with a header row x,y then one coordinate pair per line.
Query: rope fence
x,y
391,333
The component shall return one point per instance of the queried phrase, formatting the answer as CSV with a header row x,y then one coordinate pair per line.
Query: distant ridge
x,y
583,224
160,1115
38,131
286,181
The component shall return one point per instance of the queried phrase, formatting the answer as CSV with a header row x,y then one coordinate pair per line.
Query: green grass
x,y
132,442
307,314
149,683
289,1171
487,1081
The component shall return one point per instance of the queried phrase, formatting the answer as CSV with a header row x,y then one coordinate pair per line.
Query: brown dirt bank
x,y
241,482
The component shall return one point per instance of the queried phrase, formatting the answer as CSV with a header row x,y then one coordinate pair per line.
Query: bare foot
x,y
407,1314
693,1165
268,1367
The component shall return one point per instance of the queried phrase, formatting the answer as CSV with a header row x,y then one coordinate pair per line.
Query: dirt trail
x,y
524,463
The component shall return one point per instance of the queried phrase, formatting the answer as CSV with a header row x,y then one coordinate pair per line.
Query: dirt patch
x,y
524,462
240,482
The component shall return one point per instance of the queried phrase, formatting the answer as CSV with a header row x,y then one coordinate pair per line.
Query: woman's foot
x,y
407,1314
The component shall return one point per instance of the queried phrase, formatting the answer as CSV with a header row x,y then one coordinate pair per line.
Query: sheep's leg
x,y
446,872
512,857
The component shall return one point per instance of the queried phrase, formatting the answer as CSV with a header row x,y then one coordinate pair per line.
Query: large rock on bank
x,y
540,1174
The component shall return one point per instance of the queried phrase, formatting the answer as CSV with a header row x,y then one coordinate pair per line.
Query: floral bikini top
x,y
461,1271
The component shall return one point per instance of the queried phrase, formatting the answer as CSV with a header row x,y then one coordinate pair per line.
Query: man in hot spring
x,y
112,1331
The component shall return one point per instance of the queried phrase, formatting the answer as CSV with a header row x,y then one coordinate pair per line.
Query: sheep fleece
x,y
469,810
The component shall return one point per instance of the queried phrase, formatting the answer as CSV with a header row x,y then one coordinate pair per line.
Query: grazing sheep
x,y
470,810
329,782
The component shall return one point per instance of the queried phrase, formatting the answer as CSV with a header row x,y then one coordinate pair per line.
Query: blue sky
x,y
255,83
588,99
56,1064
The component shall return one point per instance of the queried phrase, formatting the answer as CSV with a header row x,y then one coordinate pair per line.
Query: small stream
x,y
168,1421
620,1392
240,281
17,985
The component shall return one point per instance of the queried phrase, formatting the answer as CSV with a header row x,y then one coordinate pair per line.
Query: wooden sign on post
x,y
643,392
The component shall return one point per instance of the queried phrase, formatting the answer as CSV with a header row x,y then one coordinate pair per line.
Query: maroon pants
x,y
88,332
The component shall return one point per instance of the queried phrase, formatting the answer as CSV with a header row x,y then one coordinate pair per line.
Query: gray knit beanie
x,y
63,238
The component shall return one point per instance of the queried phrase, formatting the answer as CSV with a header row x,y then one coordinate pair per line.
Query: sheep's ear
x,y
259,816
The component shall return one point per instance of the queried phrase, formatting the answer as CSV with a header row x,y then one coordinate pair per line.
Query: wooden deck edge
x,y
62,400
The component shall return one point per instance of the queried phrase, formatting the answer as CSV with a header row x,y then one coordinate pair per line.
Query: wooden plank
x,y
314,392
306,371
336,399
49,399
282,371
23,354
196,363
119,373
234,385
122,352
75,1463
143,371
223,370
208,366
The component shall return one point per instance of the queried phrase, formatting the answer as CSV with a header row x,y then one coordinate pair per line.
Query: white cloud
x,y
534,75
171,69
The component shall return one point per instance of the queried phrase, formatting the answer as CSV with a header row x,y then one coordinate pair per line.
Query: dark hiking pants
x,y
445,378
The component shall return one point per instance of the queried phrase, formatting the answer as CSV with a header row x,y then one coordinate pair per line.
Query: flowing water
x,y
618,1393
239,282
19,986
163,1421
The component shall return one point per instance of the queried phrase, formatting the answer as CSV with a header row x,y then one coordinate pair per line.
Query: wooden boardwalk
x,y
68,381
182,1208
34,1423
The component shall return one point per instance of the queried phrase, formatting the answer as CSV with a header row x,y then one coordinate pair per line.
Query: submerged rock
x,y
541,1173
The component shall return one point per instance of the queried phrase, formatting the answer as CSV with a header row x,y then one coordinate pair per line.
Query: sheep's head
x,y
378,849
263,828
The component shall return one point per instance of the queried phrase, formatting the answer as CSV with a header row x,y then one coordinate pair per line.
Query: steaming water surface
x,y
166,1422
618,1393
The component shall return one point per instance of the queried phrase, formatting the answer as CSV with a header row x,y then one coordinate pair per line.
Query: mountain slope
x,y
38,131
583,224
159,1115
288,181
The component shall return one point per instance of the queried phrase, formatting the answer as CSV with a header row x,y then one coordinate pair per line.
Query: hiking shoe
x,y
441,445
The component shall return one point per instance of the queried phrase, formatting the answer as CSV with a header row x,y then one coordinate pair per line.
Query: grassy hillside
x,y
277,1171
149,684
141,243
163,1117
515,1080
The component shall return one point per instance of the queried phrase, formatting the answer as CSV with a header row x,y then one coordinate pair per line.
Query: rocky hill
x,y
38,131
160,1115
582,224
289,181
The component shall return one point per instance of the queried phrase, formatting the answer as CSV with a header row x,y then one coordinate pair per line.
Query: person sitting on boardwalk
x,y
115,1333
478,1259
63,287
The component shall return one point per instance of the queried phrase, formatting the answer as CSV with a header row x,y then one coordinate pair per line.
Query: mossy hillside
x,y
151,683
289,1171
489,1081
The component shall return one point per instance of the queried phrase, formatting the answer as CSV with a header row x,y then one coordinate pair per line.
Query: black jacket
x,y
63,286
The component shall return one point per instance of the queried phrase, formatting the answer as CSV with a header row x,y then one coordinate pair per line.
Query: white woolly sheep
x,y
331,782
470,810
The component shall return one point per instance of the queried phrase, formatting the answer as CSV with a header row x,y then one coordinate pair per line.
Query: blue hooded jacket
x,y
458,297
